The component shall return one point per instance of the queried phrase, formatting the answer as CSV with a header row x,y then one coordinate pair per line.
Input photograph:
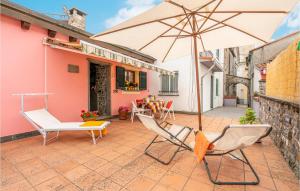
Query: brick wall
x,y
283,75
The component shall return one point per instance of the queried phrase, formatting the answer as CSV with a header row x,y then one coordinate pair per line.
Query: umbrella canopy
x,y
168,30
220,24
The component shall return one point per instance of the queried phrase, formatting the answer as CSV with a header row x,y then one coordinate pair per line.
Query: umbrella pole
x,y
197,72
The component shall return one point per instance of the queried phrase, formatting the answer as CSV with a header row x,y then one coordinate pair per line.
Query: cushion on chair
x,y
139,102
169,104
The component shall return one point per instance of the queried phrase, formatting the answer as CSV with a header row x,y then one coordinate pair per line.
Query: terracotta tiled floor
x,y
117,162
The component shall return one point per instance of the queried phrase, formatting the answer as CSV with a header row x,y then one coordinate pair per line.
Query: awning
x,y
92,50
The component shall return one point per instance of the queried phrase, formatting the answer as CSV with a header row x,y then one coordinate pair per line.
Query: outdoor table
x,y
155,105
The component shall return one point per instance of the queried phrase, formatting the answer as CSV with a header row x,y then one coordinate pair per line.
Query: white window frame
x,y
169,92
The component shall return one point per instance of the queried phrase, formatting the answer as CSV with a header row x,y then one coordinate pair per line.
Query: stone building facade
x,y
230,68
236,82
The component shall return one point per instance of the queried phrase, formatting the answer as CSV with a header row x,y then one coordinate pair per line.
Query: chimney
x,y
77,18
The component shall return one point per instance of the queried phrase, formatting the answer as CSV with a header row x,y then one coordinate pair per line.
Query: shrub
x,y
249,117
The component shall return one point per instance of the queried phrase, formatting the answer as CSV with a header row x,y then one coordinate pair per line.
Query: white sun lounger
x,y
231,141
44,122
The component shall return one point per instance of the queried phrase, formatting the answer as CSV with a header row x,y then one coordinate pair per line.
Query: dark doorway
x,y
211,91
100,88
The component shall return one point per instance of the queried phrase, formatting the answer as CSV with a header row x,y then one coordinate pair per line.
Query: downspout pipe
x,y
202,77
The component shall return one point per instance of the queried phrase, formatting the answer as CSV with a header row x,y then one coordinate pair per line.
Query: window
x,y
130,80
130,76
217,87
143,80
169,84
218,54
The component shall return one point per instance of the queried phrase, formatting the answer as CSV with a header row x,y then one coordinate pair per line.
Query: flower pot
x,y
157,115
263,76
90,119
123,115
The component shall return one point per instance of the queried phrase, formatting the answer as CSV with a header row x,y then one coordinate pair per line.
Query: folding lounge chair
x,y
175,134
168,110
135,110
44,122
230,142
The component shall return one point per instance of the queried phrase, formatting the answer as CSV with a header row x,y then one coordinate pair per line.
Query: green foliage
x,y
249,117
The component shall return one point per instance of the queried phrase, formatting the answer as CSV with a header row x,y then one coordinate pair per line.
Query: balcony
x,y
208,60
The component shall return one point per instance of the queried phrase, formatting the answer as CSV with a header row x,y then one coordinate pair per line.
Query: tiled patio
x,y
117,162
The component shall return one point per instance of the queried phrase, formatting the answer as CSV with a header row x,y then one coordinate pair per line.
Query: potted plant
x,y
123,112
126,85
136,86
249,117
92,116
89,115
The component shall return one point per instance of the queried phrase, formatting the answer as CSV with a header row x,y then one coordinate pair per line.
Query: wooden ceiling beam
x,y
167,24
220,23
172,36
233,27
140,24
161,34
186,14
210,14
199,36
51,33
25,25
212,29
241,11
175,39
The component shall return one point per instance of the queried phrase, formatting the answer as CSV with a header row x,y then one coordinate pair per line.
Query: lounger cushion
x,y
48,122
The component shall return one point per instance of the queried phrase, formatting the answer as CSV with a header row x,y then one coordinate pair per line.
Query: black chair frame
x,y
181,146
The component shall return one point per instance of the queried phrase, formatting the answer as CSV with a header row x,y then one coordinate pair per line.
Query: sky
x,y
103,14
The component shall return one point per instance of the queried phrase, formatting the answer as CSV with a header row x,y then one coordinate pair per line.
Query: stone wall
x,y
283,116
103,89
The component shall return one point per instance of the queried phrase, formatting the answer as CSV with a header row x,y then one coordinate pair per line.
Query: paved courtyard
x,y
227,112
117,162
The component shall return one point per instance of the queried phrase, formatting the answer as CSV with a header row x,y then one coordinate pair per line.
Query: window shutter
x,y
174,83
143,80
165,83
120,77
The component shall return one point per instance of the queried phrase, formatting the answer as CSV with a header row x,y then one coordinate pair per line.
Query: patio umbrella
x,y
170,29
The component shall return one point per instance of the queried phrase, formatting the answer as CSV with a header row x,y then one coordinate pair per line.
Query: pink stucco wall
x,y
23,70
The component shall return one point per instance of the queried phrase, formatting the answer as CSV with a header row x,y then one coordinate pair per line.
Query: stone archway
x,y
234,80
